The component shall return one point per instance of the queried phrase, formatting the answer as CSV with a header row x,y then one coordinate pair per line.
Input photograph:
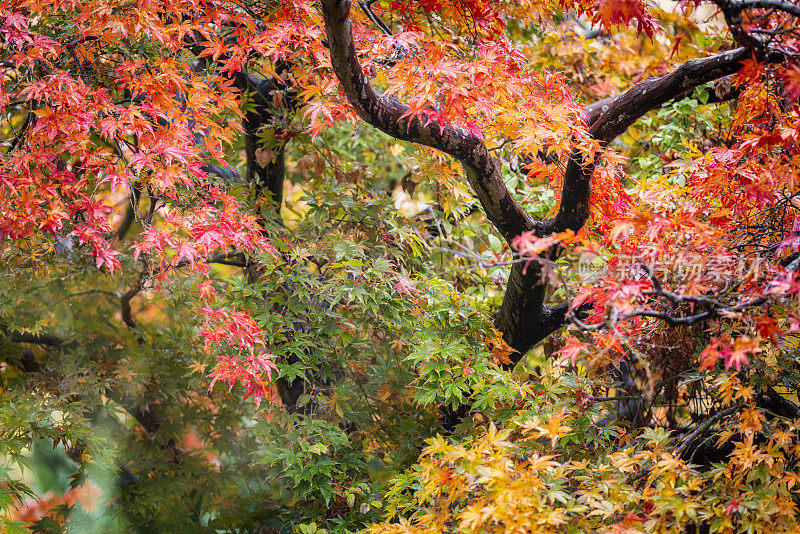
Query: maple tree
x,y
406,265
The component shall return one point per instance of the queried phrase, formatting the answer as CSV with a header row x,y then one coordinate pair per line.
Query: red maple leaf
x,y
613,12
574,348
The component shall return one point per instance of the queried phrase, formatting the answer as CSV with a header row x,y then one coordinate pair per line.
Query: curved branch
x,y
723,91
610,117
388,114
733,11
125,306
792,8
626,108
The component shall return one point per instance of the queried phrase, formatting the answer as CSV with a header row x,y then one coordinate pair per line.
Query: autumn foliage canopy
x,y
404,266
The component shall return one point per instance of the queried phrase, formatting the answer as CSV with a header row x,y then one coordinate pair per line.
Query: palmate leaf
x,y
13,527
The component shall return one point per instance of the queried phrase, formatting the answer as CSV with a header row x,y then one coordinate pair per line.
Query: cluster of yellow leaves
x,y
502,483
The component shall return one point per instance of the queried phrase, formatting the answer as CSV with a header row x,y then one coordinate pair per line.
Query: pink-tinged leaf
x,y
106,256
404,286
733,354
733,506
475,130
184,250
794,324
710,355
791,80
737,356
207,291
529,245
247,373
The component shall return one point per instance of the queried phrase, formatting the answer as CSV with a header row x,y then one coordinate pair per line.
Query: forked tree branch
x,y
733,10
523,318
611,117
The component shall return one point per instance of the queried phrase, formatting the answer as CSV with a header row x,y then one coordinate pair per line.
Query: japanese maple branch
x,y
389,115
266,177
792,8
367,7
614,117
610,118
712,307
733,11
703,427
523,318
49,340
523,303
125,306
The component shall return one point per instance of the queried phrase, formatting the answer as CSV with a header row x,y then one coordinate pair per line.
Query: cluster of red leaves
x,y
483,88
610,13
195,233
483,18
246,371
96,128
725,240
487,19
86,495
732,352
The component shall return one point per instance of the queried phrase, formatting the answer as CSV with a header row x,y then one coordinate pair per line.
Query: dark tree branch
x,y
626,108
387,114
226,173
125,306
265,176
733,11
367,7
576,192
523,318
130,212
771,400
611,117
723,91
48,340
792,8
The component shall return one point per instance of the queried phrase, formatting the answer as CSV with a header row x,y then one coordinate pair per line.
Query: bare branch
x,y
733,11
48,340
367,7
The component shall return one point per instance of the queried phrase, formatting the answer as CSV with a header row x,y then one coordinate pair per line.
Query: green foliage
x,y
376,305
